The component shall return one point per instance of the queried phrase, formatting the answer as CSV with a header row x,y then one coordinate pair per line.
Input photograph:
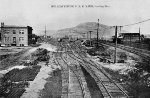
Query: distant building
x,y
130,37
15,35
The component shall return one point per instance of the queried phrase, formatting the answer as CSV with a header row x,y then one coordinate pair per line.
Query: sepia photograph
x,y
74,49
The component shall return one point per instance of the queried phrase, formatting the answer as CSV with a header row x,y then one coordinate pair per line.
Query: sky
x,y
40,13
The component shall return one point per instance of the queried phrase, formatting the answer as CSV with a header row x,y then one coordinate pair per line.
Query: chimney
x,y
2,24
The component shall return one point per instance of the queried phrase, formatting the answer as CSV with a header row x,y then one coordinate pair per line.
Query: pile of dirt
x,y
41,54
35,55
14,82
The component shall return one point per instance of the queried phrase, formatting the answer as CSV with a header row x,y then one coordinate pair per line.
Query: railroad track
x,y
133,50
108,87
79,50
65,76
73,69
137,49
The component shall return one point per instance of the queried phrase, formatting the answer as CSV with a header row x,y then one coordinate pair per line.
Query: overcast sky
x,y
38,13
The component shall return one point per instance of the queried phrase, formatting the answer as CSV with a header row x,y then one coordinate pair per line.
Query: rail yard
x,y
67,69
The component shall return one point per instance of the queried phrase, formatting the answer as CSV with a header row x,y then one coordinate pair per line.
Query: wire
x,y
136,23
129,24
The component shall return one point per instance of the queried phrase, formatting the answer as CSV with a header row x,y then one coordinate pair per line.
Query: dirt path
x,y
40,80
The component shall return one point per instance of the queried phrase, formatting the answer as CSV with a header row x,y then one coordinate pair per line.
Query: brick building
x,y
15,35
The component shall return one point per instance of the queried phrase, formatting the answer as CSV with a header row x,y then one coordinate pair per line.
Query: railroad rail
x,y
74,69
141,47
65,76
136,51
108,87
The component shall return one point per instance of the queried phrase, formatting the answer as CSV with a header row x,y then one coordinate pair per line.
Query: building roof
x,y
129,33
13,26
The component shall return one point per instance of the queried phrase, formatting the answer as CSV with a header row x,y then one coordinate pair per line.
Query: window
x,y
14,31
6,31
6,38
21,38
21,32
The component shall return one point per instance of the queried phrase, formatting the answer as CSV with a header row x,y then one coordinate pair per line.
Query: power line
x,y
129,24
136,23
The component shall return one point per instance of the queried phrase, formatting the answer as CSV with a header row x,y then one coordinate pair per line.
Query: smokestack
x,y
2,24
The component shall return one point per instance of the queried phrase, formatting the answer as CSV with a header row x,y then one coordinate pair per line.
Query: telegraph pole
x,y
97,31
115,56
90,37
87,35
45,31
139,35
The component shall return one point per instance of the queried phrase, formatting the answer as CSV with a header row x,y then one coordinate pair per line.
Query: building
x,y
130,37
15,35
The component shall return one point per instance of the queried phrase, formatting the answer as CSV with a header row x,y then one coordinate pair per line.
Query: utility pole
x,y
97,31
120,30
115,56
90,37
87,35
130,39
139,35
45,33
